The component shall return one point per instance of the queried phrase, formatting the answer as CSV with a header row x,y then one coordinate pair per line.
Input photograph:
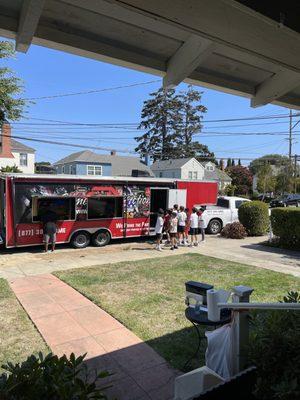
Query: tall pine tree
x,y
239,162
233,163
160,119
170,122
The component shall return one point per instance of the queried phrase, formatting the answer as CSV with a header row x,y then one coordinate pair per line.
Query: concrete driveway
x,y
32,261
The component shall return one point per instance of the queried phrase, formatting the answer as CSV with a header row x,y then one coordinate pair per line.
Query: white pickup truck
x,y
224,212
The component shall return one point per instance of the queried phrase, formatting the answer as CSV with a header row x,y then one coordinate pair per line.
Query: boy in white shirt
x,y
173,230
202,222
181,225
159,228
194,223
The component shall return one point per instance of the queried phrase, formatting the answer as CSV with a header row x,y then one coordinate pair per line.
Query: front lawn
x,y
148,296
18,336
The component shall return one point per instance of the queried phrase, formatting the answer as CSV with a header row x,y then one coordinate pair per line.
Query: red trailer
x,y
90,209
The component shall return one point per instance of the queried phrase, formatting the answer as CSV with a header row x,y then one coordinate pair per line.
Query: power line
x,y
131,124
92,91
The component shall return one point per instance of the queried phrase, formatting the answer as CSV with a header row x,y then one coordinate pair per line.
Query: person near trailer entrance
x,y
194,226
167,227
187,226
181,225
159,229
175,208
173,230
202,222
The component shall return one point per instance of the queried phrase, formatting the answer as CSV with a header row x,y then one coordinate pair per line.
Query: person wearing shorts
x,y
202,223
181,225
173,230
49,229
194,227
159,228
187,227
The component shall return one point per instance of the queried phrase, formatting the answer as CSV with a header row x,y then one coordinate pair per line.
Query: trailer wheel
x,y
214,226
101,238
80,240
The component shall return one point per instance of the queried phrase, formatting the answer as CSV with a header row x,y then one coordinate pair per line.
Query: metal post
x,y
241,294
290,136
295,173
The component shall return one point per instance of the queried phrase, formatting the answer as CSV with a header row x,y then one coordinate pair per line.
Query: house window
x,y
190,174
63,169
195,175
94,170
23,159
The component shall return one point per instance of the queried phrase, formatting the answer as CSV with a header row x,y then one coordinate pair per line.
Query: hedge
x,y
285,224
254,215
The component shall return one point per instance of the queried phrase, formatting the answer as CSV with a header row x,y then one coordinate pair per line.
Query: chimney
x,y
113,153
6,141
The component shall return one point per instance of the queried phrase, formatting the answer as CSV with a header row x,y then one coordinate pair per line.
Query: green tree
x,y
171,121
14,168
273,159
160,119
239,162
191,113
284,180
11,105
265,179
229,163
233,163
241,179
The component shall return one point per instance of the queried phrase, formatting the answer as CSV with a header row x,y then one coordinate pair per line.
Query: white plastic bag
x,y
219,353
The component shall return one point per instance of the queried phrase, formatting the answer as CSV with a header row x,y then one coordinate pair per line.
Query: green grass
x,y
148,296
18,336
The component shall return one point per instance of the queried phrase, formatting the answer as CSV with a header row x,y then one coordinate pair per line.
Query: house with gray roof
x,y
191,169
14,153
87,162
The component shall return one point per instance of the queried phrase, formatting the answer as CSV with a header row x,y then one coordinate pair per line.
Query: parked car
x,y
286,200
223,213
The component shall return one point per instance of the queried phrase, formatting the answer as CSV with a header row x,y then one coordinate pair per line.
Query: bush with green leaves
x,y
285,224
254,215
275,350
234,231
50,378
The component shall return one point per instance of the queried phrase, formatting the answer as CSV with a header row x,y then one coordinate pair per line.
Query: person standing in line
x,y
202,223
167,226
173,230
159,228
194,227
187,227
181,225
175,208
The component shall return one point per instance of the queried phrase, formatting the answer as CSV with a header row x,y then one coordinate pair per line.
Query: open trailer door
x,y
176,196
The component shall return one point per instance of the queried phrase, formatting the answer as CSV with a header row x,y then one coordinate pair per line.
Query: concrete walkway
x,y
69,322
32,261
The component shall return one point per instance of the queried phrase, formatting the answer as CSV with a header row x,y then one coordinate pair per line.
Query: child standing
x,y
187,227
173,230
159,228
202,223
194,227
181,225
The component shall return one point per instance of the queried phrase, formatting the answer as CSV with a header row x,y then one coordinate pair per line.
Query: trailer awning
x,y
221,44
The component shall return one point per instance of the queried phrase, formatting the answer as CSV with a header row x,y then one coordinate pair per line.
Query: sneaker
x,y
175,247
196,244
190,245
172,248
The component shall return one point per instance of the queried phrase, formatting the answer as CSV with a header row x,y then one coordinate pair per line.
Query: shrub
x,y
49,378
274,349
234,231
254,216
285,224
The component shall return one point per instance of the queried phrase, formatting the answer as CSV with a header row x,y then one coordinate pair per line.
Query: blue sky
x,y
49,72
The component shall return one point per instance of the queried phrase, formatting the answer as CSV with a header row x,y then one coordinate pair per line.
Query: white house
x,y
191,169
13,152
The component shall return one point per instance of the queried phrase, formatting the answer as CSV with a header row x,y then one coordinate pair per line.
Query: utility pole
x,y
290,136
295,173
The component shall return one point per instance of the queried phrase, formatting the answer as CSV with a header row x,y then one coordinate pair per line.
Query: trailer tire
x,y
101,238
80,240
214,226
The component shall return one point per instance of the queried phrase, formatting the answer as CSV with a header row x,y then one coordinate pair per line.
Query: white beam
x,y
276,86
188,57
29,19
